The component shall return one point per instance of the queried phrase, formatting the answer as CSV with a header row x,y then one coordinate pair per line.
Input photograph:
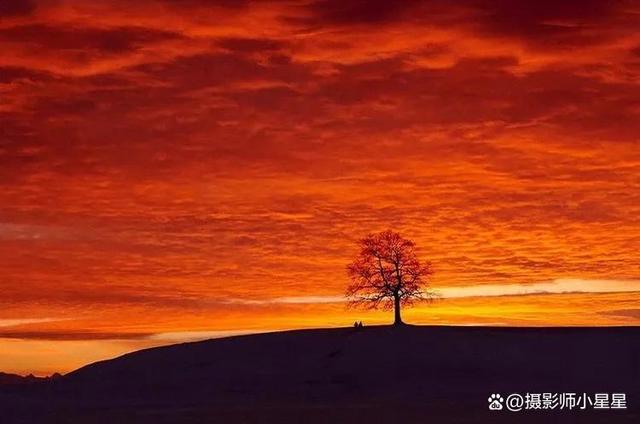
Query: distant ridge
x,y
7,378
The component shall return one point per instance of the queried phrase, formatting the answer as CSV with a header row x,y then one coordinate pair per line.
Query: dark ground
x,y
412,374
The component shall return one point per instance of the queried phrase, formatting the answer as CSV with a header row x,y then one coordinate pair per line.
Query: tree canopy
x,y
388,274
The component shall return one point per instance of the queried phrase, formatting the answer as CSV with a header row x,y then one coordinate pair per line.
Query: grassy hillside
x,y
346,375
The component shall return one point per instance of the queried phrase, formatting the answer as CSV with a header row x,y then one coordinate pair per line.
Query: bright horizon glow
x,y
559,286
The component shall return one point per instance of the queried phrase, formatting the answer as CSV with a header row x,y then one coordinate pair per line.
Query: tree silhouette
x,y
387,274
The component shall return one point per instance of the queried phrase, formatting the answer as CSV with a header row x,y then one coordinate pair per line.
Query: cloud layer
x,y
160,158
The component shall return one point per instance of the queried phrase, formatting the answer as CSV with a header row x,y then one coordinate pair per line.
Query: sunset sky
x,y
174,170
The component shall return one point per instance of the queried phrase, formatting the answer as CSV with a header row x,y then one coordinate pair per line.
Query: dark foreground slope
x,y
377,374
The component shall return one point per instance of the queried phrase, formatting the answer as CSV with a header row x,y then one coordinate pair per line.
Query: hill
x,y
6,378
376,374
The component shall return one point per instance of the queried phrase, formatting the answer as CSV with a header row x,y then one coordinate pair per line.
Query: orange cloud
x,y
160,161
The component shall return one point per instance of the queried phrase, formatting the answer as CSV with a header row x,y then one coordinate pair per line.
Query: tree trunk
x,y
396,309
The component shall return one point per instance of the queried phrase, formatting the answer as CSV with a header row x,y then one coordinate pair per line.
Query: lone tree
x,y
387,273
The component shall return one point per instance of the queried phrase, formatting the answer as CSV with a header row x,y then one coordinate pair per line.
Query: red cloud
x,y
164,154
